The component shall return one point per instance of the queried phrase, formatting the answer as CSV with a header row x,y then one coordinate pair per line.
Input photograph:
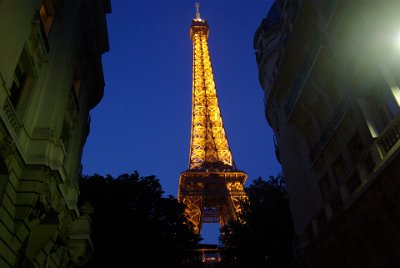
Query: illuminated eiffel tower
x,y
212,187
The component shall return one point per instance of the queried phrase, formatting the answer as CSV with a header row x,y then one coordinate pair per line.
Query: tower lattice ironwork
x,y
212,187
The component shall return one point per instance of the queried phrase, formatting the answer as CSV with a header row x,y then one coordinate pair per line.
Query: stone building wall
x,y
330,74
50,77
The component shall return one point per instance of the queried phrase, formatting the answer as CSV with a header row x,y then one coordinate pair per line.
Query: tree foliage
x,y
264,238
133,223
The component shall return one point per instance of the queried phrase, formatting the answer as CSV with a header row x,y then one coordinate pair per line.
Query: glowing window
x,y
46,12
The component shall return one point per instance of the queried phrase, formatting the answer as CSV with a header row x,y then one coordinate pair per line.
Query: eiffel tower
x,y
212,187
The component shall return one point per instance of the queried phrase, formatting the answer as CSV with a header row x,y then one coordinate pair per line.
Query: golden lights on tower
x,y
208,139
212,187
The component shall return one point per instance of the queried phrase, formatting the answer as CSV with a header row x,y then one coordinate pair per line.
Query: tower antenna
x,y
197,11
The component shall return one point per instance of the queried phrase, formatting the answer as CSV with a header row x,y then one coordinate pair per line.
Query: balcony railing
x,y
329,130
9,111
389,137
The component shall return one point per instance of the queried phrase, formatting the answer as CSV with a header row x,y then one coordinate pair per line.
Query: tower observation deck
x,y
212,187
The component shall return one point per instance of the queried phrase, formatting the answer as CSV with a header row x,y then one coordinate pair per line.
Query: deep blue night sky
x,y
143,121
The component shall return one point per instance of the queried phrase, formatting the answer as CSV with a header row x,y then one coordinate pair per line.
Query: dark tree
x,y
133,223
264,238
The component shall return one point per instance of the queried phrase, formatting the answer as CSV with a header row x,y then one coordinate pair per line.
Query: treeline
x,y
134,223
263,237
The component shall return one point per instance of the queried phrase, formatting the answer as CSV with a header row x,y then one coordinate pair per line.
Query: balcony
x,y
356,182
329,130
302,77
388,141
38,38
382,149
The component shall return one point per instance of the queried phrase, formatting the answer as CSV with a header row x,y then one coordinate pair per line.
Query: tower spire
x,y
197,11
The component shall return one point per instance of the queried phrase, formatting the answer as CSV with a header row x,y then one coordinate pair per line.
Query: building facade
x,y
50,77
330,71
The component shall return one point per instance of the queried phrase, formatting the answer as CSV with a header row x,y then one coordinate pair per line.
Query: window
x,y
383,105
4,174
18,83
46,12
325,187
24,80
355,148
352,182
391,106
339,168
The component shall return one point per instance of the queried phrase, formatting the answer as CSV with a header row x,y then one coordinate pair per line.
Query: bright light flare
x,y
397,40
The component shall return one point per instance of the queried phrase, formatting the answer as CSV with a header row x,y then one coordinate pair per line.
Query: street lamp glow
x,y
397,40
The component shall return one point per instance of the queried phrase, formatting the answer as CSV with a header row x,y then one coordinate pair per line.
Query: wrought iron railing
x,y
389,137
